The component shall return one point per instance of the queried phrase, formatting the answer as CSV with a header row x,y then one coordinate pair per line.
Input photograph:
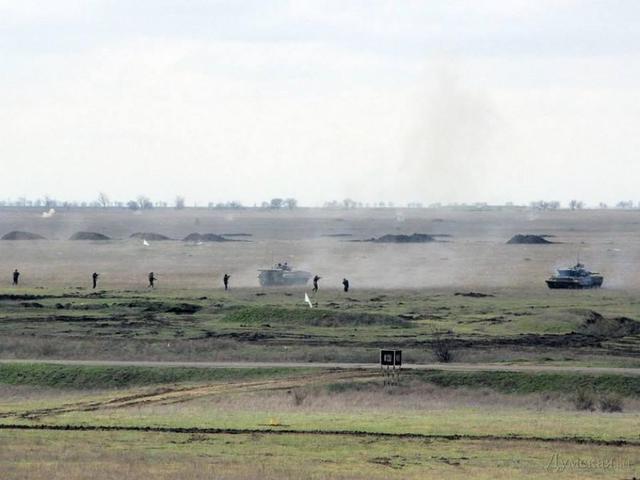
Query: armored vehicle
x,y
282,275
575,277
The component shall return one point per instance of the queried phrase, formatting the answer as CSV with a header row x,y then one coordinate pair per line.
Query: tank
x,y
575,277
282,275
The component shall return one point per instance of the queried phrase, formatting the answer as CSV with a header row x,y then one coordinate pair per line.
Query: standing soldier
x,y
225,280
94,277
16,276
152,279
315,283
345,284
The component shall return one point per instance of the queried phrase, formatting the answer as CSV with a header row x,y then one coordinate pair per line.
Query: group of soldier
x,y
316,279
94,279
152,280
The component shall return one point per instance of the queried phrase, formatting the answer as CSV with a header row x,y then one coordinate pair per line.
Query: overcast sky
x,y
399,100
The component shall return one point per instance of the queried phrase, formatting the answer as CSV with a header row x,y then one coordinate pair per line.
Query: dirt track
x,y
462,367
172,395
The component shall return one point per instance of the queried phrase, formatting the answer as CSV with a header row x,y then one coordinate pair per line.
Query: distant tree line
x,y
280,203
143,202
545,205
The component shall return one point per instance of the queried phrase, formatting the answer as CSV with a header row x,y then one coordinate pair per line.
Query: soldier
x,y
94,277
16,276
152,279
315,283
345,284
225,280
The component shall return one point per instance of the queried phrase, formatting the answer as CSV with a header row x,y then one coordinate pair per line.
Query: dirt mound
x,y
184,309
413,238
473,294
156,237
11,296
18,235
237,234
205,237
31,305
528,240
89,236
597,325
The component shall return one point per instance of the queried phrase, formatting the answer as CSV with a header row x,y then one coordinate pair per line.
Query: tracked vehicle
x,y
282,275
575,277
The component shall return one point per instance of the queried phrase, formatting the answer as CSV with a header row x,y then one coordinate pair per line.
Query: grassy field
x,y
595,328
74,421
293,423
132,455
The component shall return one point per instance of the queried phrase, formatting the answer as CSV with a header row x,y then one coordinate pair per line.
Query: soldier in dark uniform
x,y
152,279
315,283
16,276
345,284
225,280
94,277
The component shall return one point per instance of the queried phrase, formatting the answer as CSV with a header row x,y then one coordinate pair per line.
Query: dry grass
x,y
427,398
19,397
124,456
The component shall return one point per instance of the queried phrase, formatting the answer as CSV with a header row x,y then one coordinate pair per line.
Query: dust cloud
x,y
474,255
452,142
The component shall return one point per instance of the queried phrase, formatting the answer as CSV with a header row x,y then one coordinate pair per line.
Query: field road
x,y
457,367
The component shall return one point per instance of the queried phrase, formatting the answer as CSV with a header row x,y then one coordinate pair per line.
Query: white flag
x,y
308,300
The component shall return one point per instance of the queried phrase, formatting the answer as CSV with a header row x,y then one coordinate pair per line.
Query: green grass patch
x,y
265,314
105,377
40,455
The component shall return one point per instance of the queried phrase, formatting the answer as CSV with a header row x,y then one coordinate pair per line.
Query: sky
x,y
375,100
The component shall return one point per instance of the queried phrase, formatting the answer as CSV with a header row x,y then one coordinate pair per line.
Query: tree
x,y
544,205
49,202
349,203
276,203
180,202
144,203
576,205
133,205
290,203
103,200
